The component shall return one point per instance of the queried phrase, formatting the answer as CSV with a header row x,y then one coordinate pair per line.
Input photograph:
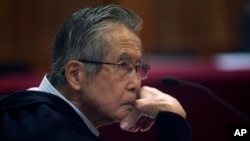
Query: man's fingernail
x,y
123,125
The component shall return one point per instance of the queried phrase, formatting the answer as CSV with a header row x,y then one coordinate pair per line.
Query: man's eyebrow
x,y
128,57
125,56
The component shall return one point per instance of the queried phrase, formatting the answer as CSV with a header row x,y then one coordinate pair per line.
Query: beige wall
x,y
201,27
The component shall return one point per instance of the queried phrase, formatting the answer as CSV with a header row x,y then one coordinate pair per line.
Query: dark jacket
x,y
36,116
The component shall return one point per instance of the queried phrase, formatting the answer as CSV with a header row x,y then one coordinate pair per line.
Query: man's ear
x,y
74,73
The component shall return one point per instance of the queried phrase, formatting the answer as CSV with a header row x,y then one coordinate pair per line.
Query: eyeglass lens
x,y
126,69
142,72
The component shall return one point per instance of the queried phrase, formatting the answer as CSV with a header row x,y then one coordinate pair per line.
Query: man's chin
x,y
125,114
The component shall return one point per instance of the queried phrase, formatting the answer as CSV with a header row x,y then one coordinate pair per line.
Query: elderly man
x,y
97,68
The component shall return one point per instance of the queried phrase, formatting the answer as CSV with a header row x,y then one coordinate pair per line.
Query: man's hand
x,y
151,102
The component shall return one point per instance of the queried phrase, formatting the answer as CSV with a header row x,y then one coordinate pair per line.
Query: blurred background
x,y
205,41
196,27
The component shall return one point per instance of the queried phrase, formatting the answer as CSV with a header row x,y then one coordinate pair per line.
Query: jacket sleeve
x,y
172,127
38,116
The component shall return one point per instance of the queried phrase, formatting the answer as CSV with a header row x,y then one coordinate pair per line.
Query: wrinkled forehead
x,y
127,49
124,43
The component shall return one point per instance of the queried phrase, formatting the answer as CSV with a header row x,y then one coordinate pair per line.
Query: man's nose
x,y
135,82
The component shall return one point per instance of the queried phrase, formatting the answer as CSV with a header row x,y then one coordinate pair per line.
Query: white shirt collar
x,y
46,86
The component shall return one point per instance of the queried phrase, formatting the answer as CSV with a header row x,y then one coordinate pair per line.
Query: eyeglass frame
x,y
117,64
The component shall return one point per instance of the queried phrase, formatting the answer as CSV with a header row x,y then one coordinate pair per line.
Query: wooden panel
x,y
199,27
28,28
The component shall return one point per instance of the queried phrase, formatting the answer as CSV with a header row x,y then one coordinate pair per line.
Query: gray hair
x,y
82,36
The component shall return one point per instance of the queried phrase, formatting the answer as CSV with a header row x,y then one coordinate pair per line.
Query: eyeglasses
x,y
125,68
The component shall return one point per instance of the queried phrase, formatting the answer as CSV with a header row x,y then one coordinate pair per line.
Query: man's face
x,y
109,96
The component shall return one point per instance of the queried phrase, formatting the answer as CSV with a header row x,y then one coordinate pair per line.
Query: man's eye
x,y
123,65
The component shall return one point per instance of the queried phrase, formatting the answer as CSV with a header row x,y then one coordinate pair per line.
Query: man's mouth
x,y
130,105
